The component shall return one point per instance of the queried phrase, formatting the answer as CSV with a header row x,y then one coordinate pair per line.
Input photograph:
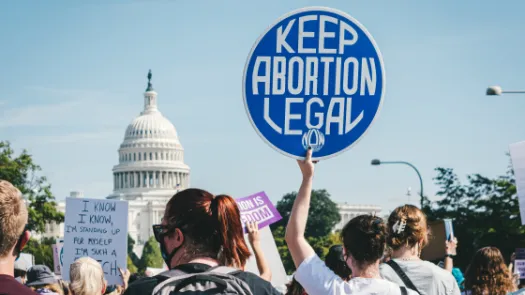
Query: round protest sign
x,y
314,79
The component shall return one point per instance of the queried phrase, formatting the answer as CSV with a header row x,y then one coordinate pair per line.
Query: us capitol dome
x,y
150,169
149,172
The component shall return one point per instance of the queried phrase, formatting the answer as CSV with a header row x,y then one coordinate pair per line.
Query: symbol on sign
x,y
62,256
314,139
314,78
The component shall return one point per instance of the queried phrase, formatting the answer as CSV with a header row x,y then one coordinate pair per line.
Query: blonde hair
x,y
13,217
414,232
86,277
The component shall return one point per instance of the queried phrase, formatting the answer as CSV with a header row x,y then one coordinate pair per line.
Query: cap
x,y
40,275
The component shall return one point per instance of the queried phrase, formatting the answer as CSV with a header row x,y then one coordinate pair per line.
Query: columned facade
x,y
150,167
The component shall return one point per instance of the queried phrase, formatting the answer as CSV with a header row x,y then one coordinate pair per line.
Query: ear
x,y
25,239
179,238
104,287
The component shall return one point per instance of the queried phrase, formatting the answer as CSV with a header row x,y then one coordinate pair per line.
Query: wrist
x,y
307,178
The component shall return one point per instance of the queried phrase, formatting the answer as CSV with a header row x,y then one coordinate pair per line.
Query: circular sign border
x,y
261,36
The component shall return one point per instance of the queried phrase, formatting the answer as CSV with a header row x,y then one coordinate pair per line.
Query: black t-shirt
x,y
257,285
10,286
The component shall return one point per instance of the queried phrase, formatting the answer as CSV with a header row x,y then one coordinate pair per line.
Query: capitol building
x,y
151,170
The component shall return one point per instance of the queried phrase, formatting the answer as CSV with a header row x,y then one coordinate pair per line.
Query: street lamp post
x,y
496,90
377,162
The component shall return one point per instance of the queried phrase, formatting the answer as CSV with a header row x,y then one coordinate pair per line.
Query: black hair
x,y
364,238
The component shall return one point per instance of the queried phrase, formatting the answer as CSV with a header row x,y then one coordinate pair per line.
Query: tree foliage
x,y
22,172
131,266
485,212
135,260
151,256
42,251
322,218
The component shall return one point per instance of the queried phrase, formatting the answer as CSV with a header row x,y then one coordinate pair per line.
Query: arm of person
x,y
262,264
450,249
297,244
125,275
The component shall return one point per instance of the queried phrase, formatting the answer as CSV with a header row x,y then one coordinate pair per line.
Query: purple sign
x,y
257,208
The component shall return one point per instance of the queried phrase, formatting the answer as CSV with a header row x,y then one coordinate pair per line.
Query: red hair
x,y
212,224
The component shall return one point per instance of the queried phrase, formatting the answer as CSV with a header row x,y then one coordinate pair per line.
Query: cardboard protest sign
x,y
441,231
58,256
315,78
517,156
97,228
257,208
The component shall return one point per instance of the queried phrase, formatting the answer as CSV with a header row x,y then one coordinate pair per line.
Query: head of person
x,y
488,273
86,277
294,288
13,221
407,228
364,241
197,224
41,279
336,262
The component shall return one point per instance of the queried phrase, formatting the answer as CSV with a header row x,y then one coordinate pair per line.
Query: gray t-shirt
x,y
428,278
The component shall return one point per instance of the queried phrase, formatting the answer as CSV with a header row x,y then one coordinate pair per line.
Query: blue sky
x,y
73,75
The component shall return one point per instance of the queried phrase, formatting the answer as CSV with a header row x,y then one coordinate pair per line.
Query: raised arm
x,y
262,264
297,244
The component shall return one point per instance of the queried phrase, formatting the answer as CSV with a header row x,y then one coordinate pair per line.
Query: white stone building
x,y
348,211
149,172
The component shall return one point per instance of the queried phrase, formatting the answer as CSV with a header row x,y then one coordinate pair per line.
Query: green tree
x,y
131,266
22,172
42,251
131,255
151,256
322,218
485,212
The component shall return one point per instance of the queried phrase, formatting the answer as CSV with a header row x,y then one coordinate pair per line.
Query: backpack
x,y
218,280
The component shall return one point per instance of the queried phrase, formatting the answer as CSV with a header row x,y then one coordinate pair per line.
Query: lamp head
x,y
375,162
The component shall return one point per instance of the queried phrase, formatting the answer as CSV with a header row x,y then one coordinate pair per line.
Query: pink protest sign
x,y
258,208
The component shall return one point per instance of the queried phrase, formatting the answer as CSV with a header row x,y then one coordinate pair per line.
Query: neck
x,y
406,252
181,257
370,271
7,266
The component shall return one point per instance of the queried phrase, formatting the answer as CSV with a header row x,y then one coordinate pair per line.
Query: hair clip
x,y
399,226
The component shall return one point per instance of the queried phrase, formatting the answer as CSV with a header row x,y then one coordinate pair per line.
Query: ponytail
x,y
234,250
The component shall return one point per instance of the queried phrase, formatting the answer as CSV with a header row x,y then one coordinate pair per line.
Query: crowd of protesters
x,y
201,239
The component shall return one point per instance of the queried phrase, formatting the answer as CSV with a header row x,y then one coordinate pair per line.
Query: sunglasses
x,y
159,231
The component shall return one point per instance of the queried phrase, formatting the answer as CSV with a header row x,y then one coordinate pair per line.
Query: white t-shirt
x,y
428,278
317,279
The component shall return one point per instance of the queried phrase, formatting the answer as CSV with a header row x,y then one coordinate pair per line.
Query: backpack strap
x,y
224,270
403,290
406,280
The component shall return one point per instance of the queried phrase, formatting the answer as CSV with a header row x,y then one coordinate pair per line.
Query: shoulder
x,y
439,272
142,286
256,283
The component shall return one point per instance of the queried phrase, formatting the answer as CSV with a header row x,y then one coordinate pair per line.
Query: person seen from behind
x,y
407,235
21,271
294,288
86,277
488,274
13,237
43,281
200,233
255,241
363,246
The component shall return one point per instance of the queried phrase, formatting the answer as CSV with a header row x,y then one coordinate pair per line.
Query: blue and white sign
x,y
314,78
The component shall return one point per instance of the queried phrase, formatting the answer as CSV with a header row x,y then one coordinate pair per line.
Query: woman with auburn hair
x,y
200,231
407,235
488,274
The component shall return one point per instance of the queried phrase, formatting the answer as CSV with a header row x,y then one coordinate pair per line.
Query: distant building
x,y
149,172
349,211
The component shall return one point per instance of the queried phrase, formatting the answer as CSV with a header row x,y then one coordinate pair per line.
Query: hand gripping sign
x,y
314,79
